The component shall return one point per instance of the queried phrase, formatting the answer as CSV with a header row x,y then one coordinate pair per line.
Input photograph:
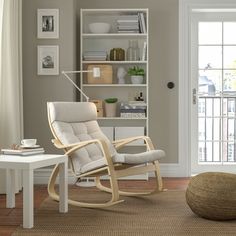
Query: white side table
x,y
27,164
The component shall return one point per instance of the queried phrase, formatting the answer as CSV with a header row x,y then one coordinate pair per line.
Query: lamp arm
x,y
70,72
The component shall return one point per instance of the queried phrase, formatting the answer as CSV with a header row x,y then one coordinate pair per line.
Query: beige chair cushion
x,y
74,122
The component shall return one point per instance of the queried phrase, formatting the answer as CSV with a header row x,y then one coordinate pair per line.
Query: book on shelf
x,y
144,54
23,152
142,23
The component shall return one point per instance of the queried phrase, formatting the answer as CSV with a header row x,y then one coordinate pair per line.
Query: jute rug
x,y
161,214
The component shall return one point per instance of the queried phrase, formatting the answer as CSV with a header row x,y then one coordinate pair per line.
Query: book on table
x,y
23,152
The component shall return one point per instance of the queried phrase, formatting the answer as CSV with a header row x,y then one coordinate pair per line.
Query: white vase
x,y
110,109
136,79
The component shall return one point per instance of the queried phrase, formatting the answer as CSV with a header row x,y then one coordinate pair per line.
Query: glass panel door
x,y
214,118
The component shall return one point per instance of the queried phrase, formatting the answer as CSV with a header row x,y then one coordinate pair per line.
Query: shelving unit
x,y
105,42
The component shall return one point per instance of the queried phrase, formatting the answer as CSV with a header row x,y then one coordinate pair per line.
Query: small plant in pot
x,y
136,74
110,107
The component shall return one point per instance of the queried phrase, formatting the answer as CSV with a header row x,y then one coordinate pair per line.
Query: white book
x,y
23,152
144,54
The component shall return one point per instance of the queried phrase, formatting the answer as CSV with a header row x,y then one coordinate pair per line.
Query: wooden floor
x,y
10,219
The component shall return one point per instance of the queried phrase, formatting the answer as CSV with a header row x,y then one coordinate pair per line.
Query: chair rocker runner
x,y
91,154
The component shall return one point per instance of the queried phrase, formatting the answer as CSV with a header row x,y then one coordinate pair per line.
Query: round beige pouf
x,y
212,195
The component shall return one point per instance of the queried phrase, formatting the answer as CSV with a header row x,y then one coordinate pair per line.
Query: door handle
x,y
194,96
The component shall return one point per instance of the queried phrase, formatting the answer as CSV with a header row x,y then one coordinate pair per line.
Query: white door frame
x,y
185,94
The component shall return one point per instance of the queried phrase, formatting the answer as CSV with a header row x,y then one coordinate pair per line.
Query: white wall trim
x,y
185,95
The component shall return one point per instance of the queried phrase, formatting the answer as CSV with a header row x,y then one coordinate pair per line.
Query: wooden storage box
x,y
98,103
106,75
100,112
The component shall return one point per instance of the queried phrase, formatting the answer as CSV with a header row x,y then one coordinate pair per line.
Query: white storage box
x,y
109,132
127,132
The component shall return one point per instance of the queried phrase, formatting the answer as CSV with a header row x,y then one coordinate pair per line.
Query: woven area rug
x,y
161,214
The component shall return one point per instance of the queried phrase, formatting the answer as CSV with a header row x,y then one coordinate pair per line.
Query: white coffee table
x,y
27,164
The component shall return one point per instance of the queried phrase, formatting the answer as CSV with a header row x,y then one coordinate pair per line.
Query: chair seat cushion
x,y
139,158
212,195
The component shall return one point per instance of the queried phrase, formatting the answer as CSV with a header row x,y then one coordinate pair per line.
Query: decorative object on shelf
x,y
105,77
48,23
110,107
48,60
133,51
99,28
117,54
121,73
99,106
140,97
136,74
94,70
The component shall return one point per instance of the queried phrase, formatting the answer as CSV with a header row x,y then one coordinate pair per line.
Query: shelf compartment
x,y
114,62
114,85
114,35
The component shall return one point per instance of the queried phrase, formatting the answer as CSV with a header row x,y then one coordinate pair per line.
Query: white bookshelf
x,y
106,42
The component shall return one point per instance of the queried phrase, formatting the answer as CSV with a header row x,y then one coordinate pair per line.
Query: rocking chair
x,y
91,154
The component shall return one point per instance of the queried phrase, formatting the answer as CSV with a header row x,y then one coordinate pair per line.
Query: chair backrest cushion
x,y
74,122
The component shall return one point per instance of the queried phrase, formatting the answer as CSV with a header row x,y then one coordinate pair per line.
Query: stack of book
x,y
95,55
23,151
128,24
133,109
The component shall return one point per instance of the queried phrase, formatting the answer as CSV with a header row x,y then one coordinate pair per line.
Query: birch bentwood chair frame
x,y
76,131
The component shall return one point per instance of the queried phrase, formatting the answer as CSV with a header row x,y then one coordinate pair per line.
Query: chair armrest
x,y
122,142
75,146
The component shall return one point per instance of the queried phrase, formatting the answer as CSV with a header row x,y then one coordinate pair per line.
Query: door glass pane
x,y
229,81
229,32
210,33
229,57
210,57
212,81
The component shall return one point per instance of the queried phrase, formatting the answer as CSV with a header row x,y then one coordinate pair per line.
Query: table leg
x,y
28,199
63,187
10,188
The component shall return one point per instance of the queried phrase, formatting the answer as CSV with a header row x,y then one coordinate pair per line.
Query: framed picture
x,y
48,60
48,23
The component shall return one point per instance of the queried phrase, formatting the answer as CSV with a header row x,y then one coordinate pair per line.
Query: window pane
x,y
210,57
216,151
214,77
230,57
229,80
229,32
210,33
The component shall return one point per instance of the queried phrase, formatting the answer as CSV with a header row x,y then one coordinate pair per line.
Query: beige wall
x,y
163,66
40,89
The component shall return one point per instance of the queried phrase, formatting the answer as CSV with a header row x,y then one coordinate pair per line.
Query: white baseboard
x,y
41,176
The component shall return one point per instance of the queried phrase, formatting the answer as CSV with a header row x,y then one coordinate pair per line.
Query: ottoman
x,y
212,195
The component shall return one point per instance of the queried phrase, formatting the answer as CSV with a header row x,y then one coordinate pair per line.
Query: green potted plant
x,y
110,107
136,74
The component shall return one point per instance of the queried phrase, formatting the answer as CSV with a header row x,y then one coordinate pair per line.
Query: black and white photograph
x,y
48,60
48,23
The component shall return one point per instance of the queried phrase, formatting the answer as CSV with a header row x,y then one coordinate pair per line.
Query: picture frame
x,y
48,59
48,23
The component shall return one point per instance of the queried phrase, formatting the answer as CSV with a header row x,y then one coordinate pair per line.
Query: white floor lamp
x,y
96,74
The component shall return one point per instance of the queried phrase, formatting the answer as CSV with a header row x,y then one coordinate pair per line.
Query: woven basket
x,y
212,195
106,75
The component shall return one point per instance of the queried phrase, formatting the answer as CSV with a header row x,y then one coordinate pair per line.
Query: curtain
x,y
11,97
